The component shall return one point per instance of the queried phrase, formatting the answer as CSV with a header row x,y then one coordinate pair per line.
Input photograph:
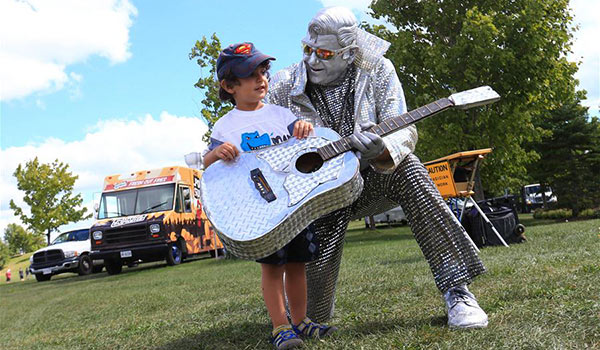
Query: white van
x,y
532,197
69,252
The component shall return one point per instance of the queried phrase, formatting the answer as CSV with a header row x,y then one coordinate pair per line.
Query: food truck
x,y
150,215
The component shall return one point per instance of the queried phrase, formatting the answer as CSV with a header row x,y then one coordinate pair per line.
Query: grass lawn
x,y
542,294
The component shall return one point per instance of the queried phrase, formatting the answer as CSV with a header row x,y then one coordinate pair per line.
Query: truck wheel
x,y
85,265
114,267
174,254
40,277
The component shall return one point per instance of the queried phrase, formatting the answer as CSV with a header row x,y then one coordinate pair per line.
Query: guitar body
x,y
263,199
257,212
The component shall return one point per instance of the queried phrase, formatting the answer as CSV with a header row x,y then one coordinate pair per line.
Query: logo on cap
x,y
243,49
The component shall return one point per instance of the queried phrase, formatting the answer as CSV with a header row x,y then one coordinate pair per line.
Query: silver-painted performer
x,y
345,83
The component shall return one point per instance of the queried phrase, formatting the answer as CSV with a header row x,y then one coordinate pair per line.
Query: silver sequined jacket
x,y
378,96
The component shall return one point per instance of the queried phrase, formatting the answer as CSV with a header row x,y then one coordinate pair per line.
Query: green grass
x,y
543,294
14,264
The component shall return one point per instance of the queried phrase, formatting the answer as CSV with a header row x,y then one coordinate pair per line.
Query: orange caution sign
x,y
441,174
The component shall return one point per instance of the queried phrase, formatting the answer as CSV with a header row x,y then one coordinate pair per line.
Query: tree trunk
x,y
370,222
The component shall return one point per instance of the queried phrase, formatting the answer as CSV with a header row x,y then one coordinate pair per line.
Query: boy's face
x,y
250,90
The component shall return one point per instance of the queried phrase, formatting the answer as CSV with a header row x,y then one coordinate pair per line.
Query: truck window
x,y
183,202
187,199
136,201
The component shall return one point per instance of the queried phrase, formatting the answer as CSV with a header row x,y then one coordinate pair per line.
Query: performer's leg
x,y
451,257
322,273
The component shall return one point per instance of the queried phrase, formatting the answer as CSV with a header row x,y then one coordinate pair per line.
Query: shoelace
x,y
459,295
308,327
284,335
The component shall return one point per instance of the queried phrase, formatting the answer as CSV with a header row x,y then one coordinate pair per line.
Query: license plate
x,y
126,254
47,271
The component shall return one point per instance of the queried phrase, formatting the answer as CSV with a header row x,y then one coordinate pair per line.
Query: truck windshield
x,y
79,235
136,201
532,189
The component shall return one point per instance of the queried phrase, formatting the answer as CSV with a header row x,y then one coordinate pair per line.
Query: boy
x,y
243,75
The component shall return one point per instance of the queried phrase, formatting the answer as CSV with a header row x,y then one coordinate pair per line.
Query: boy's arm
x,y
302,129
225,151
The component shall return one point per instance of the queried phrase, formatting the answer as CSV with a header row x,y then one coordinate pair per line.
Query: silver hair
x,y
336,20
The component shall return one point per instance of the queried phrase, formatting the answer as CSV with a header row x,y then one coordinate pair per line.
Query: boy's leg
x,y
272,290
295,289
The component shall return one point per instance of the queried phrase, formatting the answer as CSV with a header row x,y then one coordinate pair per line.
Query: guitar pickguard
x,y
299,185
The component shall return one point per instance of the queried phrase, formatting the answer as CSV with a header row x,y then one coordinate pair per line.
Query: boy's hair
x,y
231,80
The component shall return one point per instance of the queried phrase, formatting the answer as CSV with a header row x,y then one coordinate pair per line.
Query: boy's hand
x,y
227,151
302,129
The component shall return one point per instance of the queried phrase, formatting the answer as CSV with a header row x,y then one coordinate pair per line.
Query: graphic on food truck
x,y
151,215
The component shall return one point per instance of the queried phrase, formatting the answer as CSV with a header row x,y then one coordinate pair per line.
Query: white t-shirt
x,y
250,130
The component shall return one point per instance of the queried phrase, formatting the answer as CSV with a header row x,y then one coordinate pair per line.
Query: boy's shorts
x,y
303,248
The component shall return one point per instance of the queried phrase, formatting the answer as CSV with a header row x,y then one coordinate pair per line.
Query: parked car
x,y
69,252
392,216
532,197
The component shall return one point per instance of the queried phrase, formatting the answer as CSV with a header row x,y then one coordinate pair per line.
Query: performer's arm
x,y
390,102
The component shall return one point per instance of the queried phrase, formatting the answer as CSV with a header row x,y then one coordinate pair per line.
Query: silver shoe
x,y
463,309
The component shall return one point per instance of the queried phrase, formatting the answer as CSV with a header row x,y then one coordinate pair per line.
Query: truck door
x,y
183,205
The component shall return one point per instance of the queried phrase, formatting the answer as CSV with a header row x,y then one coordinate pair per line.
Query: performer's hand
x,y
302,129
368,144
227,151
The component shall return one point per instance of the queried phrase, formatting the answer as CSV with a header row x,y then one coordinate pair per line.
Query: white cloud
x,y
40,38
111,147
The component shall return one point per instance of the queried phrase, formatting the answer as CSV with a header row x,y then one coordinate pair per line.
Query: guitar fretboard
x,y
386,127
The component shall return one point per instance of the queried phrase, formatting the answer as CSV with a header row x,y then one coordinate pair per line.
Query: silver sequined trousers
x,y
452,259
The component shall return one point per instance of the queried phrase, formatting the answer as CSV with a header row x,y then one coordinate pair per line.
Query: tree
x,y
49,193
4,254
570,156
516,47
20,240
206,54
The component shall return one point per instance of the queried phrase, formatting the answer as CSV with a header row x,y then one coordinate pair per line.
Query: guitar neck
x,y
387,127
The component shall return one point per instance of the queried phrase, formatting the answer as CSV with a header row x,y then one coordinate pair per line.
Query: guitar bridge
x,y
262,185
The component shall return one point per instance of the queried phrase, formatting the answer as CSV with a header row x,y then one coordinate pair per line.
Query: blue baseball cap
x,y
240,59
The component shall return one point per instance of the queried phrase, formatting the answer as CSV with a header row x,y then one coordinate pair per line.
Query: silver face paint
x,y
324,72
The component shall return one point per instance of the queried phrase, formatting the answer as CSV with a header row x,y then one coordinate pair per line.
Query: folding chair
x,y
454,176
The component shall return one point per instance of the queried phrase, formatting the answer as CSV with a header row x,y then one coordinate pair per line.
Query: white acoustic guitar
x,y
260,201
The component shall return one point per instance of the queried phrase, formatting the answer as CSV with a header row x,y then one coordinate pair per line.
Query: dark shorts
x,y
303,248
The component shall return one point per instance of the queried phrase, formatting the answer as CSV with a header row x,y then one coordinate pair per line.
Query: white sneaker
x,y
463,309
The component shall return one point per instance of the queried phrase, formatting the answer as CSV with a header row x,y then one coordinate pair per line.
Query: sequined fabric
x,y
335,104
378,95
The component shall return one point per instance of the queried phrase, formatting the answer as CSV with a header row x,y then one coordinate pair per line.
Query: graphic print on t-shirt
x,y
251,141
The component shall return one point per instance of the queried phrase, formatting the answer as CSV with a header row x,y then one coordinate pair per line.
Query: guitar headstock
x,y
474,98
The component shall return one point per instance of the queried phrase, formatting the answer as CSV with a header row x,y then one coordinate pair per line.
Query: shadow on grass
x,y
246,335
250,335
74,278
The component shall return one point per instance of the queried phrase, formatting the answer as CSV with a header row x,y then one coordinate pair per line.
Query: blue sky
x,y
106,85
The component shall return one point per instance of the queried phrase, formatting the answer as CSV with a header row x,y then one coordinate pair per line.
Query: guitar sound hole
x,y
309,163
